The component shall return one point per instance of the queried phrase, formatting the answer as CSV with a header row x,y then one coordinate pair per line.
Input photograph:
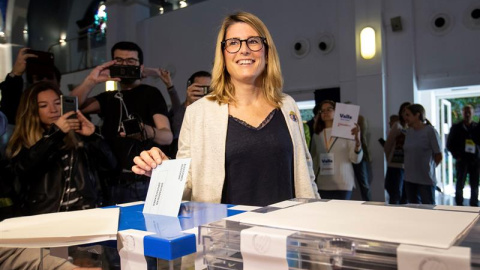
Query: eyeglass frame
x,y
263,39
327,110
121,61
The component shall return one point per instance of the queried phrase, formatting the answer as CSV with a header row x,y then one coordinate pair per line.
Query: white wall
x,y
448,58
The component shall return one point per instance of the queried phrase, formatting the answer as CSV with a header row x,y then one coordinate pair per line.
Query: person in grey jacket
x,y
246,138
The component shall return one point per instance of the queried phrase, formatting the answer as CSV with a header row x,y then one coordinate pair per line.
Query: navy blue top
x,y
258,162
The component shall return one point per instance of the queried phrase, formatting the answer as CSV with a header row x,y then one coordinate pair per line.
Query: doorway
x,y
444,108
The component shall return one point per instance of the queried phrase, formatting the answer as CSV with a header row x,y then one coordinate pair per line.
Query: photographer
x,y
134,118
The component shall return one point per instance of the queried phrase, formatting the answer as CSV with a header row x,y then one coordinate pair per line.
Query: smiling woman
x,y
245,138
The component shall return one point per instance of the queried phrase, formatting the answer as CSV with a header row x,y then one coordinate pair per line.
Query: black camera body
x,y
125,72
131,127
41,66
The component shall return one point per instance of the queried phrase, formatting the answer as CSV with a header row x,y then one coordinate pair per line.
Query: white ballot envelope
x,y
346,115
165,191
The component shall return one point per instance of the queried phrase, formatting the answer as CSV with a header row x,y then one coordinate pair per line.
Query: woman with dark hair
x,y
56,157
333,156
422,156
245,138
395,156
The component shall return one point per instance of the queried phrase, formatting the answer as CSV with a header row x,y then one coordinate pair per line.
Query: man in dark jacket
x,y
461,143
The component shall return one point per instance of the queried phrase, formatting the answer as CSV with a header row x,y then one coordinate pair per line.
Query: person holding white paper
x,y
333,156
246,138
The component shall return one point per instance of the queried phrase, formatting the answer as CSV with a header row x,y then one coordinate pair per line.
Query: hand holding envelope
x,y
148,160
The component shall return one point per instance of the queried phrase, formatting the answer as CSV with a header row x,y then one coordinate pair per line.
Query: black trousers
x,y
464,167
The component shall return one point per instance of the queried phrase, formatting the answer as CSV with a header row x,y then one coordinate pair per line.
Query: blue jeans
x,y
335,194
394,186
420,194
361,174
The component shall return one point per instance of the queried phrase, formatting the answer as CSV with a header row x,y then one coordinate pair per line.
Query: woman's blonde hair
x,y
223,91
28,129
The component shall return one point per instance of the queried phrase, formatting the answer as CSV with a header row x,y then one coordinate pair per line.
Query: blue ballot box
x,y
169,240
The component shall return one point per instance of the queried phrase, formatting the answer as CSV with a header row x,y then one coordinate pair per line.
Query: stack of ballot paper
x,y
60,229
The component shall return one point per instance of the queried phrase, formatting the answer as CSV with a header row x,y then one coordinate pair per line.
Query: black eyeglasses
x,y
327,110
233,45
127,61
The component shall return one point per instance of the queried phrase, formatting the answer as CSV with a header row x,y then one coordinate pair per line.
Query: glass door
x,y
445,122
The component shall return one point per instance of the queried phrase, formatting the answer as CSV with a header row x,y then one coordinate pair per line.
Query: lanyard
x,y
327,144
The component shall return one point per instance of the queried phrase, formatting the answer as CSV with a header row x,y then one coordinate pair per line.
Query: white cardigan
x,y
203,137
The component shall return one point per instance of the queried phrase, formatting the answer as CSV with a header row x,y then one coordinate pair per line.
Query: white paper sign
x,y
327,164
165,191
346,115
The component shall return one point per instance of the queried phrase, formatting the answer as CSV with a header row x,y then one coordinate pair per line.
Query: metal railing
x,y
79,53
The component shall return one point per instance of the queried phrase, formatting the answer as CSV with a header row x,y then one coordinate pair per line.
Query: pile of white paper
x,y
60,229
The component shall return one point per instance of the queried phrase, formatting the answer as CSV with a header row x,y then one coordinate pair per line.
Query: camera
x,y
206,89
69,104
125,72
41,66
131,127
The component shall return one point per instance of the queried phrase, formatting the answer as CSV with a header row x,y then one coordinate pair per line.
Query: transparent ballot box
x,y
304,249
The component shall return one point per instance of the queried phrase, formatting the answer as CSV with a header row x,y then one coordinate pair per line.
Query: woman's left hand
x,y
356,132
87,128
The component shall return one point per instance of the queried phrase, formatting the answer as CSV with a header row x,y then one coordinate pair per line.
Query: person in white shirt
x,y
333,156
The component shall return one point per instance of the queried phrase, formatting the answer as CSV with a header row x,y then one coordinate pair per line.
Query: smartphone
x,y
41,66
126,72
69,104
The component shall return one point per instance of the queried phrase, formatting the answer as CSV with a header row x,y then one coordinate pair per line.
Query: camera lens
x,y
206,89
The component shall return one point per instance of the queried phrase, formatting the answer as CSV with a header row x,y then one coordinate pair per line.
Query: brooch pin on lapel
x,y
293,116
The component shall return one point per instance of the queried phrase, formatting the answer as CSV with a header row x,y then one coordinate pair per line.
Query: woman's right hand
x,y
65,124
148,160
